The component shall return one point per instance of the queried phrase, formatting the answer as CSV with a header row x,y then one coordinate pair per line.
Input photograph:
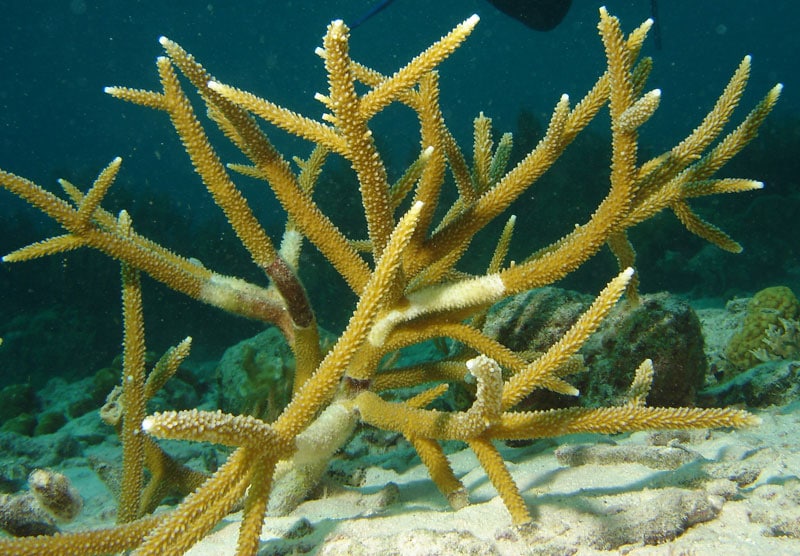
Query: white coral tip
x,y
148,423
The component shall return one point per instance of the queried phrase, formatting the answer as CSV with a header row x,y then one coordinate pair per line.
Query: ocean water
x,y
56,122
60,316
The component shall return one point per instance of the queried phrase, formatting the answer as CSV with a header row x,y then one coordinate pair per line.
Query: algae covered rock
x,y
24,424
102,383
49,422
770,383
661,327
256,375
535,320
16,399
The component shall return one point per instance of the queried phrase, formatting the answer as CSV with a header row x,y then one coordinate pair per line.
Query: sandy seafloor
x,y
591,509
704,492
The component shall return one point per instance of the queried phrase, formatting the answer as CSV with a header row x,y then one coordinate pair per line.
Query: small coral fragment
x,y
51,498
55,494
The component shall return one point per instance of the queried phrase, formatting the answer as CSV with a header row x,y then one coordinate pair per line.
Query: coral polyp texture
x,y
404,271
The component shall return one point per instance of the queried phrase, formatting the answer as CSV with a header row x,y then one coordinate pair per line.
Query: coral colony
x,y
403,270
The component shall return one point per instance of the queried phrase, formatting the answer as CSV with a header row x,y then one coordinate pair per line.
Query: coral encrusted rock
x,y
662,327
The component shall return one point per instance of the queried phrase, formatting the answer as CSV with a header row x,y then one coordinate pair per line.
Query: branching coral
x,y
403,271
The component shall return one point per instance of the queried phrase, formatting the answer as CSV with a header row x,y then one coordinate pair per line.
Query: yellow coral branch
x,y
385,92
284,118
491,460
209,167
611,420
133,388
320,387
538,373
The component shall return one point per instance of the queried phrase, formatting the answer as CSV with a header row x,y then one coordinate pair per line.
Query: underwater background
x,y
60,316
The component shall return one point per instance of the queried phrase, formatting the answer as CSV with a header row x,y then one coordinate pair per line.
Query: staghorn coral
x,y
404,271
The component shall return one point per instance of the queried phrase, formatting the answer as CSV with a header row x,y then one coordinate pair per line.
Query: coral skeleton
x,y
403,270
